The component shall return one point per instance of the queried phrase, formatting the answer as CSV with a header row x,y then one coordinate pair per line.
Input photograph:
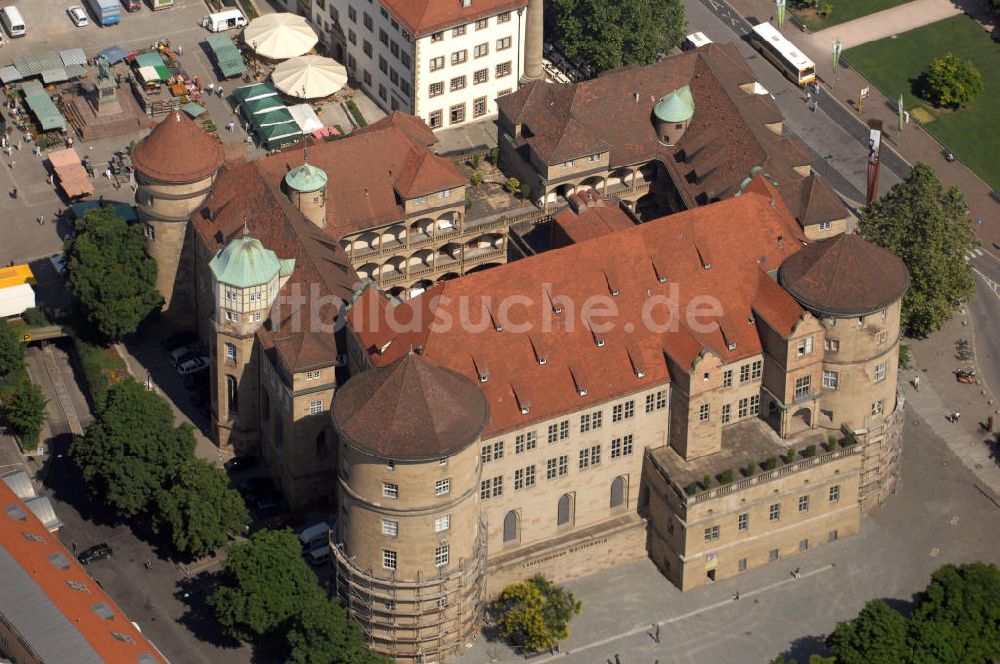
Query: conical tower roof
x,y
306,178
678,106
844,276
177,151
410,410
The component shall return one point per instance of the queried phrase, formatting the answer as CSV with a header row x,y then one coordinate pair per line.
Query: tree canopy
x,y
951,81
268,591
956,620
24,411
928,228
535,613
198,509
11,350
132,448
110,274
608,34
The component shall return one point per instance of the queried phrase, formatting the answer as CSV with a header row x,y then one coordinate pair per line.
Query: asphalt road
x,y
985,312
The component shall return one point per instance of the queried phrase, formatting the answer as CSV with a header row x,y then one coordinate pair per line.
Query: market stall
x,y
305,118
70,173
227,56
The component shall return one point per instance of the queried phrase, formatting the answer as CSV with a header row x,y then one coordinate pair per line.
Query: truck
x,y
16,292
105,12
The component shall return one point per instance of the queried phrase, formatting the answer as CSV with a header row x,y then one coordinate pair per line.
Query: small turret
x,y
672,114
307,191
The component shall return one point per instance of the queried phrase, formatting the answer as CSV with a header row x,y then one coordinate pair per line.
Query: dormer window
x,y
662,278
483,377
732,346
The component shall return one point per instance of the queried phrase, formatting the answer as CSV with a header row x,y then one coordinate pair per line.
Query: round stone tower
x,y
855,289
245,282
672,114
306,187
410,547
175,166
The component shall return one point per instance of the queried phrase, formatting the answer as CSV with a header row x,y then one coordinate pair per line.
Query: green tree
x,y
928,228
608,34
25,412
132,449
876,636
957,618
322,633
535,613
110,273
198,509
11,350
951,81
265,584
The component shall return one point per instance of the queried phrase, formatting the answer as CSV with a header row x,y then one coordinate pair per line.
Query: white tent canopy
x,y
280,36
305,118
309,76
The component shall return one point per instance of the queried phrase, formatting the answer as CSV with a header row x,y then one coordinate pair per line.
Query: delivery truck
x,y
105,12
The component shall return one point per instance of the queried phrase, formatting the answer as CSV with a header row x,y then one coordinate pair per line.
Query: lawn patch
x,y
843,10
895,65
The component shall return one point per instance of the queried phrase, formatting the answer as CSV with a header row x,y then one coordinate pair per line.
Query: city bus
x,y
783,54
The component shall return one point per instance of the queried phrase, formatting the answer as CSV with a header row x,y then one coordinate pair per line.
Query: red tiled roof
x,y
410,409
32,555
628,261
845,275
177,151
369,171
588,216
422,17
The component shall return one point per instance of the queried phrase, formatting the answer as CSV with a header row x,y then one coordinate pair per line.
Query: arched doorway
x,y
564,510
511,527
618,487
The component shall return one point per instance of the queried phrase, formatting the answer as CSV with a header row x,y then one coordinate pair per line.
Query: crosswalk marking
x,y
975,253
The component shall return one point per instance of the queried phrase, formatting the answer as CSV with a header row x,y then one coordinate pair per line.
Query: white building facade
x,y
445,61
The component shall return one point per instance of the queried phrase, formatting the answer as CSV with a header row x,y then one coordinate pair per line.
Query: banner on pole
x,y
837,48
874,149
902,113
781,12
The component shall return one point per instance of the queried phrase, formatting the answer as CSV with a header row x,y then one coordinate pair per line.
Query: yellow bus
x,y
783,54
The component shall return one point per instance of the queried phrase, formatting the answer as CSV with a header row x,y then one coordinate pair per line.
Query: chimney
x,y
533,40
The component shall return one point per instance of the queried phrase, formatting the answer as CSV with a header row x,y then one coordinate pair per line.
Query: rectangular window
x,y
878,407
803,503
383,36
442,523
755,405
835,493
352,36
231,352
774,512
703,412
491,488
616,412
773,555
595,455
457,83
390,528
804,346
442,487
255,317
756,369
831,536
352,14
650,403
437,63
743,565
550,469
621,446
456,113
830,380
436,89
518,479
743,522
458,32
831,345
881,337
629,409
803,387
505,91
390,490
745,373
388,559
803,545
825,225
503,17
584,459
597,419
458,57
880,372
585,423
312,375
437,36
479,107
727,412
529,476
564,430
316,407
711,534
480,76
368,21
661,399
727,378
553,433
503,69
482,24
441,554
744,408
563,465
481,50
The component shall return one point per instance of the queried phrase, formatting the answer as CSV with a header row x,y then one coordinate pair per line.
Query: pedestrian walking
x,y
230,125
211,87
38,151
107,174
218,90
148,564
808,96
179,50
40,219
955,416
656,632
989,424
618,660
796,573
916,383
12,164
815,106
74,548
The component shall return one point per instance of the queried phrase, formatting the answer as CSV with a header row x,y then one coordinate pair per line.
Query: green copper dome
x,y
678,106
306,178
245,263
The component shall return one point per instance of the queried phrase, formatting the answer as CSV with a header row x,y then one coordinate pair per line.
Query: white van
x,y
227,20
12,21
314,532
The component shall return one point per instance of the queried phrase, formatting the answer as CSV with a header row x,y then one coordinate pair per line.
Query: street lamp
x,y
826,165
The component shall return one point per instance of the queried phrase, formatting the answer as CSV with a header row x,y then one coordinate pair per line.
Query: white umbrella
x,y
309,76
280,36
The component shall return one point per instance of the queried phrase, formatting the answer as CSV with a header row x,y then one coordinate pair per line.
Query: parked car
x,y
238,463
77,15
287,520
193,365
94,553
178,339
181,353
254,485
59,263
270,505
